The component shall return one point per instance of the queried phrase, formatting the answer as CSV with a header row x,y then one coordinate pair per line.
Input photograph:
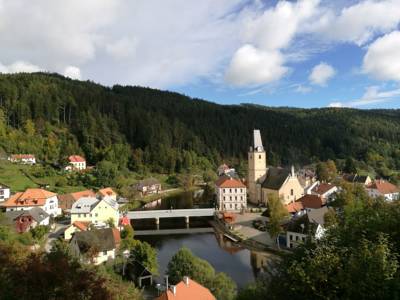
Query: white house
x,y
310,225
231,194
324,190
27,159
94,210
76,163
4,192
106,242
33,198
381,188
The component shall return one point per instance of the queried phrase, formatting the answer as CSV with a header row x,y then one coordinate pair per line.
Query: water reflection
x,y
224,255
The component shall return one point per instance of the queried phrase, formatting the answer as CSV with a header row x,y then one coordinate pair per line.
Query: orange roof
x,y
190,291
294,207
383,187
81,194
229,182
107,192
22,156
311,201
81,225
31,197
76,158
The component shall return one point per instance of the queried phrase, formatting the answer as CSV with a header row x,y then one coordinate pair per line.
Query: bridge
x,y
170,213
174,231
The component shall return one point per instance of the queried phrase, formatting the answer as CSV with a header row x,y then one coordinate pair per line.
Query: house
x,y
148,186
65,201
295,208
25,220
76,226
312,201
94,210
231,194
95,246
306,177
264,181
27,159
33,198
4,192
324,190
310,225
225,170
185,290
355,178
107,192
283,183
76,163
384,189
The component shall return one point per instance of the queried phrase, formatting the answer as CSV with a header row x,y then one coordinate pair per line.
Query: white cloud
x,y
321,74
19,67
261,60
72,72
382,59
360,22
372,95
250,66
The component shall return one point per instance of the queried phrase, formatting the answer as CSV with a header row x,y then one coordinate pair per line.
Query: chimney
x,y
186,280
173,289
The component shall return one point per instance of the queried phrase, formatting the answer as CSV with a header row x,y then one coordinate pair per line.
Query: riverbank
x,y
247,236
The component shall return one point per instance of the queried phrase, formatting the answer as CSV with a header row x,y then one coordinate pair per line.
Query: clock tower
x,y
257,167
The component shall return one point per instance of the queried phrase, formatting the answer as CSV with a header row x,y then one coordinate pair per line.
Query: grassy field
x,y
17,177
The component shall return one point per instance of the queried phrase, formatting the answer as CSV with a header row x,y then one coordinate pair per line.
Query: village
x,y
92,222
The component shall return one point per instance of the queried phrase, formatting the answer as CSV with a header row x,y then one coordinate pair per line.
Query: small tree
x,y
39,232
277,213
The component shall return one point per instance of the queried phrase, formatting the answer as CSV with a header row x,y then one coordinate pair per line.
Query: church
x,y
264,181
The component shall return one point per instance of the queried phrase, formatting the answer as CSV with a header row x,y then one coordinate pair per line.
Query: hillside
x,y
169,132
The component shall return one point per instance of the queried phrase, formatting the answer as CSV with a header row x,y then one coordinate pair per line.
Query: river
x,y
240,264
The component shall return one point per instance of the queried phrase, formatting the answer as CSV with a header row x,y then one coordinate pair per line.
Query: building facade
x,y
76,163
231,194
4,192
33,198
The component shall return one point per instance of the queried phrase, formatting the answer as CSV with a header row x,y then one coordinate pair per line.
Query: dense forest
x,y
160,131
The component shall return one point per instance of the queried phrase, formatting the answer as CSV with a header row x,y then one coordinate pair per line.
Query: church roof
x,y
275,178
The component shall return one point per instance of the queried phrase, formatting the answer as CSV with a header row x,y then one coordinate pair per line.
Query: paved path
x,y
247,230
54,234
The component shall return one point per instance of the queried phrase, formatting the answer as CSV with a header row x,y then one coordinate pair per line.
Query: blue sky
x,y
303,53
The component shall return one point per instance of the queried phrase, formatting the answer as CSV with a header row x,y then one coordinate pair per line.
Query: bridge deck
x,y
174,231
174,213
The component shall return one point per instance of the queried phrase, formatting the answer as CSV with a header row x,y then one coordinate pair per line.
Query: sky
x,y
304,53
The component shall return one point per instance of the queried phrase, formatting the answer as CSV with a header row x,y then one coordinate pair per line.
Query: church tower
x,y
257,168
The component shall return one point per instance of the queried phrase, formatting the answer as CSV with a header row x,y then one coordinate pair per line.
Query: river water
x,y
240,264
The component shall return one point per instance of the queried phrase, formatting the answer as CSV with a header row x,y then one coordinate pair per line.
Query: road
x,y
55,234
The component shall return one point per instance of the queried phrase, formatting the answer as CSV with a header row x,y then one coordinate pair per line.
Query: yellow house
x,y
95,211
283,183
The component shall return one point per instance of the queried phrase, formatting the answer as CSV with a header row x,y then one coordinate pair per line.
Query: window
x,y
235,197
241,197
297,237
291,192
291,237
104,252
79,215
230,190
259,157
96,215
224,198
230,198
235,190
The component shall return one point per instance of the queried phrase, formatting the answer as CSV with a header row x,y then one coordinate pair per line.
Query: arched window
x,y
291,192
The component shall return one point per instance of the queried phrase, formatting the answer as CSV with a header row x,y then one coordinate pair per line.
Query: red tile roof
x,y
322,188
81,225
229,182
294,207
31,197
107,192
311,201
383,187
190,291
76,158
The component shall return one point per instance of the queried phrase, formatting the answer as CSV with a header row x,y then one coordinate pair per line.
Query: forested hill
x,y
168,131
